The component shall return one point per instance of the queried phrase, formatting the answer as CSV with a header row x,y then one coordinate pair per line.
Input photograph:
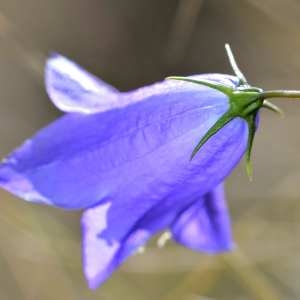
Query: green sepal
x,y
245,102
217,86
251,128
269,105
221,122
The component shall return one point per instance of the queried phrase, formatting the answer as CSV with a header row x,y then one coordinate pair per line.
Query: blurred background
x,y
130,43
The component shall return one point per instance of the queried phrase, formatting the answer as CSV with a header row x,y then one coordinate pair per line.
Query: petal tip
x,y
93,283
54,55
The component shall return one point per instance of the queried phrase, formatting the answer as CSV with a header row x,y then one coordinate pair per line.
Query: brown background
x,y
130,43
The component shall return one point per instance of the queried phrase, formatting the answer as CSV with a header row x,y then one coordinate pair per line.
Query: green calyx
x,y
244,102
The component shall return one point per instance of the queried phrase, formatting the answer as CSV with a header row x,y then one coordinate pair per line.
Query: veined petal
x,y
141,151
73,89
205,225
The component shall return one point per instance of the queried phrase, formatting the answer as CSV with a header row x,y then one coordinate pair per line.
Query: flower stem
x,y
280,94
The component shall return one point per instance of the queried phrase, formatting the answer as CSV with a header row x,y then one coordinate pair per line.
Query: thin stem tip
x,y
235,66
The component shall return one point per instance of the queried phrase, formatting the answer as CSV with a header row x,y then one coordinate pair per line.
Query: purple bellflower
x,y
125,159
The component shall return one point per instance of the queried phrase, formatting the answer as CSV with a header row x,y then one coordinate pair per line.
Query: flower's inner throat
x,y
245,102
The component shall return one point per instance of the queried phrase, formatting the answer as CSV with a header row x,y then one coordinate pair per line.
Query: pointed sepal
x,y
226,118
269,105
214,85
251,120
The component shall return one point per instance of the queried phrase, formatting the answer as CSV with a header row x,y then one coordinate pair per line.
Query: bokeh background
x,y
130,43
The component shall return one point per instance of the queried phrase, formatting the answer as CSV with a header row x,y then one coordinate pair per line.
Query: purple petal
x,y
113,230
73,89
205,225
108,239
141,151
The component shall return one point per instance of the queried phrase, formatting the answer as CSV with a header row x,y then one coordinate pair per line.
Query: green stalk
x,y
280,94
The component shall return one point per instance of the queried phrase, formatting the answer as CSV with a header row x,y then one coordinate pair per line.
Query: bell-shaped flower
x,y
124,158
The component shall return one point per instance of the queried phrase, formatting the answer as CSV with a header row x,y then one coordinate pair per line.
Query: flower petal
x,y
205,225
113,230
108,239
73,89
141,151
